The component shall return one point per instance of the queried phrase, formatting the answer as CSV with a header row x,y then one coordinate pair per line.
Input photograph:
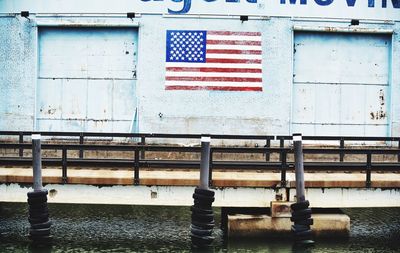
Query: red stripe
x,y
233,51
234,42
217,60
224,88
234,33
212,79
221,70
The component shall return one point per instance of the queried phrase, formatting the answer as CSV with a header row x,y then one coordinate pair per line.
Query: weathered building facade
x,y
320,67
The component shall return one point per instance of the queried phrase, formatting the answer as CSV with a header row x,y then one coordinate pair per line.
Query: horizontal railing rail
x,y
136,162
142,136
336,138
341,140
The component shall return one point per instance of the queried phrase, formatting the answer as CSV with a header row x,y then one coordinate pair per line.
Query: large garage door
x,y
341,84
87,79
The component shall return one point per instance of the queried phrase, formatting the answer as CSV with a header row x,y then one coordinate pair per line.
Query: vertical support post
x,y
136,173
64,165
368,171
299,167
210,168
282,158
37,163
398,155
81,143
341,152
281,145
283,168
142,153
21,141
205,162
268,154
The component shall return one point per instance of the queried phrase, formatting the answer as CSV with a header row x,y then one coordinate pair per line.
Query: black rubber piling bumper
x,y
39,231
202,218
301,216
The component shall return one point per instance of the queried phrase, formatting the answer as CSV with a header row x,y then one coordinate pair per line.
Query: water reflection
x,y
102,228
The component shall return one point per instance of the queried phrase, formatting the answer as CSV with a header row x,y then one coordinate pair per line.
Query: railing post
x,y
283,155
210,168
341,152
37,162
368,170
81,143
282,158
21,141
136,173
267,153
281,145
398,155
64,165
143,142
205,162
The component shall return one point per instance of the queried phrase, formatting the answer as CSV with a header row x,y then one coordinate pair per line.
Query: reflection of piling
x,y
301,214
202,213
39,231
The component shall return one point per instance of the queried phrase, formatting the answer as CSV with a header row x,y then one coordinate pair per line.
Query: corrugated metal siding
x,y
341,84
87,79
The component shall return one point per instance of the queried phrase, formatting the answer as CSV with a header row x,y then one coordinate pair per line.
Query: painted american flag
x,y
213,60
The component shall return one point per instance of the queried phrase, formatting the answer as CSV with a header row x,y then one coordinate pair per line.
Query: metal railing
x,y
135,161
142,136
341,140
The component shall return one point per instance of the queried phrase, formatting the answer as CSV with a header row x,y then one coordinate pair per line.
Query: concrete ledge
x,y
109,176
325,225
234,178
138,195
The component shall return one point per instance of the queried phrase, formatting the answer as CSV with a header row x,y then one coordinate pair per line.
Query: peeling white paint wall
x,y
17,73
219,112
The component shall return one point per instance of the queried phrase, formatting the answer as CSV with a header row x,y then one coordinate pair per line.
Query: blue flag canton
x,y
186,46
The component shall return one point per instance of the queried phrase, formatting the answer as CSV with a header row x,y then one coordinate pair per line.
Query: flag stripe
x,y
243,38
221,88
220,70
233,51
234,56
214,74
196,83
233,42
214,65
233,33
247,61
234,47
212,79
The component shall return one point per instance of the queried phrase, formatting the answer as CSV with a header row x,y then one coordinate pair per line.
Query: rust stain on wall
x,y
379,114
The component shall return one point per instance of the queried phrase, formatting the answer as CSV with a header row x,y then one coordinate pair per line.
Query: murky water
x,y
102,228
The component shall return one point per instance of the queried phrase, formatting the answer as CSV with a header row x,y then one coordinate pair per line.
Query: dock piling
x,y
301,214
205,162
40,224
202,214
37,163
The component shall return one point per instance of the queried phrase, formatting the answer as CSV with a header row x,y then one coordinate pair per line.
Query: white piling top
x,y
205,139
297,137
36,136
